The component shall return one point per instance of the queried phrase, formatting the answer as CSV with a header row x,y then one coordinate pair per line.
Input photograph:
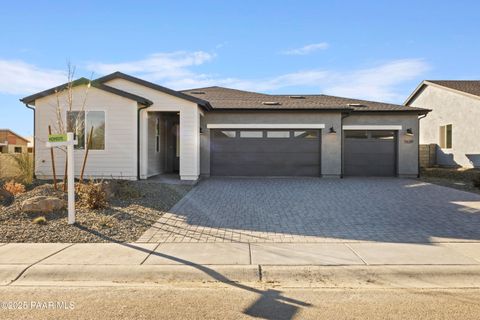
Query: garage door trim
x,y
265,126
297,171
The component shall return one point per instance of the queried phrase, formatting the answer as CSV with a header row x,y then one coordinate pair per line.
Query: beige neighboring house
x,y
454,123
11,142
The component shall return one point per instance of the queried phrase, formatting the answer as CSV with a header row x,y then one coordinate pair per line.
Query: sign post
x,y
58,140
70,179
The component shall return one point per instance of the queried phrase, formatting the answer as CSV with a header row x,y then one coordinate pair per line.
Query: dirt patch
x,y
124,219
461,179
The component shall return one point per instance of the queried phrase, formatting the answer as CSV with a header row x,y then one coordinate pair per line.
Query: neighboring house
x,y
143,129
11,142
454,123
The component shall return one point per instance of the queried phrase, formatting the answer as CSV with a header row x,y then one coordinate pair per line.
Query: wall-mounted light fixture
x,y
332,131
409,132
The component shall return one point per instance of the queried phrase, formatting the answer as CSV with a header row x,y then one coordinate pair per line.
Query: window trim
x,y
85,128
157,134
443,137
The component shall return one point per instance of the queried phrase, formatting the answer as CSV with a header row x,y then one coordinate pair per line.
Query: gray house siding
x,y
459,110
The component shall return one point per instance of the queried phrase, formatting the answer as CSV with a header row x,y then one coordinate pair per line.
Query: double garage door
x,y
265,152
298,153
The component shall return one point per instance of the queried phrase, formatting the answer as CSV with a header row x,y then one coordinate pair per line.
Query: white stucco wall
x,y
118,160
189,126
463,113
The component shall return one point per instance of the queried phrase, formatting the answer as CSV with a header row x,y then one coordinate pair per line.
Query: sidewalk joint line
x,y
35,263
365,262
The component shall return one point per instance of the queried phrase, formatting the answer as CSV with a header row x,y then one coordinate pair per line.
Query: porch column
x,y
190,143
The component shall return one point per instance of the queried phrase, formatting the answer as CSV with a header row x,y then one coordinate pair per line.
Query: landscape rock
x,y
42,204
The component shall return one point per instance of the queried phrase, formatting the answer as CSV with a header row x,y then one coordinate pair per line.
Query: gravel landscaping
x,y
124,219
461,179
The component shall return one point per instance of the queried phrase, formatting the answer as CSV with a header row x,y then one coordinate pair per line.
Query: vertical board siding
x,y
189,124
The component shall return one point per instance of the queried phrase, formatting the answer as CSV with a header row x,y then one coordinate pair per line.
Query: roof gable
x,y
470,88
151,85
84,81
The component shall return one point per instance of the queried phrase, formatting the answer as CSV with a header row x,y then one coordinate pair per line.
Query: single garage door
x,y
370,153
265,152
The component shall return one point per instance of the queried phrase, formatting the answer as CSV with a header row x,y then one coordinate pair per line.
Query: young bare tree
x,y
70,114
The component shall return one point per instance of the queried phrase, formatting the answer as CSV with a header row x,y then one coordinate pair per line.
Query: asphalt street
x,y
221,301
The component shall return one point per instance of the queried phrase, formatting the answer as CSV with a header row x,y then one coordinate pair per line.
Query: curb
x,y
405,276
8,273
125,274
419,276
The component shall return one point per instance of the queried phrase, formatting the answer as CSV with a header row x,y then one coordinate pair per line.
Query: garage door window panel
x,y
383,135
251,134
224,134
306,134
356,134
278,134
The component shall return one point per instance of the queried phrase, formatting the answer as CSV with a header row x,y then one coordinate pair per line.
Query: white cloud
x,y
377,83
18,77
310,48
158,66
381,82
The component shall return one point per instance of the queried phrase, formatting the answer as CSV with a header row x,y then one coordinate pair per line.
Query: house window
x,y
81,127
157,135
76,124
18,150
446,136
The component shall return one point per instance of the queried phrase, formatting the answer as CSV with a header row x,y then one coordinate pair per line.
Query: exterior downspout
x,y
341,143
418,140
34,136
138,139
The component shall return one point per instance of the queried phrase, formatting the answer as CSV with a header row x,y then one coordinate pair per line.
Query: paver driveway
x,y
320,210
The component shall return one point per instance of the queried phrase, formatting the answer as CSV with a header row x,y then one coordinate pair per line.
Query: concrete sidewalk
x,y
27,263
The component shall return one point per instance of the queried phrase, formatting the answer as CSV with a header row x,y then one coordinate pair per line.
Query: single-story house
x,y
454,124
142,129
11,142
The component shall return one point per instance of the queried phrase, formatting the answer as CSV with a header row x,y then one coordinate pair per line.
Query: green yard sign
x,y
57,138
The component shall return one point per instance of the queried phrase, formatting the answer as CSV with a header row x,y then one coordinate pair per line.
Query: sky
x,y
375,50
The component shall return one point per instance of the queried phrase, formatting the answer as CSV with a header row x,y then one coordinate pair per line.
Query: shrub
x,y
39,220
24,163
6,198
106,221
91,195
476,181
14,187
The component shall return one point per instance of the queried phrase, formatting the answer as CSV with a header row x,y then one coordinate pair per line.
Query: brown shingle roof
x,y
226,98
467,86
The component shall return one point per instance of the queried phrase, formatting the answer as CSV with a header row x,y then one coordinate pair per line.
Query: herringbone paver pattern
x,y
319,210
